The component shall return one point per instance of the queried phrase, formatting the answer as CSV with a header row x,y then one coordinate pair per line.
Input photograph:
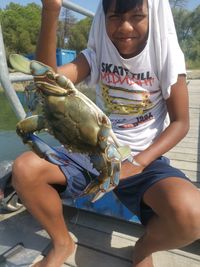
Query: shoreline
x,y
193,74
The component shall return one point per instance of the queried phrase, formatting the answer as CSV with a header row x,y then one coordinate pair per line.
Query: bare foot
x,y
57,255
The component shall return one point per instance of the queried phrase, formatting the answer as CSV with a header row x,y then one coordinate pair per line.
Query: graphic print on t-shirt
x,y
127,93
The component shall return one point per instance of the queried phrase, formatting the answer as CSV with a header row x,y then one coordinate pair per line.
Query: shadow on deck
x,y
102,241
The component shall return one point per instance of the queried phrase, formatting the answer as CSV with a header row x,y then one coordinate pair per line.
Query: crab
x,y
75,121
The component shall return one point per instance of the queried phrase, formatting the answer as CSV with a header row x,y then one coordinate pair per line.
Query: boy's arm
x,y
178,109
46,45
77,70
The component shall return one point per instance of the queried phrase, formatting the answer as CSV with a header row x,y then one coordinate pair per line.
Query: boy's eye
x,y
114,16
138,16
122,17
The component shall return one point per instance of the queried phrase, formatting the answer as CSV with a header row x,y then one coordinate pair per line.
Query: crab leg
x,y
30,125
108,164
100,189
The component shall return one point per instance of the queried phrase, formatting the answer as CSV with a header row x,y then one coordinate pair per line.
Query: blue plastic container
x,y
30,56
63,56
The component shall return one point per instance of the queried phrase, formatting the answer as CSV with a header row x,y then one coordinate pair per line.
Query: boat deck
x,y
102,240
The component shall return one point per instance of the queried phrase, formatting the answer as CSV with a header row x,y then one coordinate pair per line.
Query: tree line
x,y
21,25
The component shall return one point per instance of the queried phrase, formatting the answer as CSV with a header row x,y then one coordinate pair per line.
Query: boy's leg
x,y
176,203
32,179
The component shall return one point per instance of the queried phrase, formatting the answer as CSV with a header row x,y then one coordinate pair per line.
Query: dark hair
x,y
121,6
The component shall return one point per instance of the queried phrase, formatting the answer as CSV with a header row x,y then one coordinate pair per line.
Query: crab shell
x,y
73,118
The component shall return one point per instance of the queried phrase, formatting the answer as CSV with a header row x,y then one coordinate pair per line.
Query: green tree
x,y
178,3
187,26
79,35
193,39
20,25
66,21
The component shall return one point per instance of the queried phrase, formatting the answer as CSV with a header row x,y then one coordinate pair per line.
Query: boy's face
x,y
128,31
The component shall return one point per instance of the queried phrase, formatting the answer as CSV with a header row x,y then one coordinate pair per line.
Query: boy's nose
x,y
126,25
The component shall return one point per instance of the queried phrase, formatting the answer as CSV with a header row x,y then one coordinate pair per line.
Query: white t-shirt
x,y
129,90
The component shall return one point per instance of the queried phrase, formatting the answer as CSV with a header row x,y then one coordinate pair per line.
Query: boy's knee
x,y
186,219
193,221
24,169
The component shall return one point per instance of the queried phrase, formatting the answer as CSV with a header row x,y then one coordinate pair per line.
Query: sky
x,y
87,4
90,5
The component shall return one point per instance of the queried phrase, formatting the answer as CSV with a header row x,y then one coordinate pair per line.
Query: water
x,y
11,146
10,143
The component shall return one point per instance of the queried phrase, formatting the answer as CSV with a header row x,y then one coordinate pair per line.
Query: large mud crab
x,y
75,121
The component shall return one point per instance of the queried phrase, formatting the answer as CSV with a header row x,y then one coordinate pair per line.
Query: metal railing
x,y
6,79
6,83
77,9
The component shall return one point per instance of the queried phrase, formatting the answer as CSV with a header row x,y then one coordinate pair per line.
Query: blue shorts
x,y
130,191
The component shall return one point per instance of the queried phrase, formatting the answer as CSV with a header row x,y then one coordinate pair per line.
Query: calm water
x,y
10,143
11,146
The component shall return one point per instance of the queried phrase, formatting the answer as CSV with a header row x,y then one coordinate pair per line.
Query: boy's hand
x,y
52,5
128,169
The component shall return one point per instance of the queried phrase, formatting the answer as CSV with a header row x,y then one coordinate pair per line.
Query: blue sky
x,y
88,4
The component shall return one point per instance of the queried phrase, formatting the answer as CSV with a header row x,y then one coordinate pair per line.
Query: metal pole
x,y
20,78
77,8
5,82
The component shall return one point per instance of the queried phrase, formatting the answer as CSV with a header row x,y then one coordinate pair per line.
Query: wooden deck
x,y
104,241
186,155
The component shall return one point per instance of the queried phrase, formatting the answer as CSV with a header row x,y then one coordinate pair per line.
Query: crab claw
x,y
39,69
24,65
99,188
20,63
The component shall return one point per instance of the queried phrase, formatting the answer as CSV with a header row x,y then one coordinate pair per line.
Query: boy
x,y
134,58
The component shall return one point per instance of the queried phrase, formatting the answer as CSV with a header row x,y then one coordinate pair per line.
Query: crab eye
x,y
61,80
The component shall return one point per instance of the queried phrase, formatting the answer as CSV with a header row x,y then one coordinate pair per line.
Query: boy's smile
x,y
128,31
